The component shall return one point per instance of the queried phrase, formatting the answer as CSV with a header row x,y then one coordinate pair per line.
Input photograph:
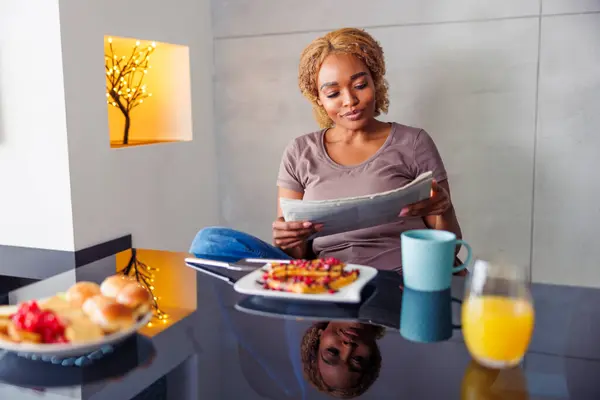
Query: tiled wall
x,y
509,90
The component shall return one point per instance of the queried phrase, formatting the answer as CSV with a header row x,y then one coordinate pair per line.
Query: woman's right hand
x,y
288,235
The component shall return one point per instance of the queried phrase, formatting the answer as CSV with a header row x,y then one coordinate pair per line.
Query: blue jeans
x,y
229,245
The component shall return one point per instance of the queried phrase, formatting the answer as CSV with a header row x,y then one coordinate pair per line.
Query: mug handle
x,y
467,261
456,326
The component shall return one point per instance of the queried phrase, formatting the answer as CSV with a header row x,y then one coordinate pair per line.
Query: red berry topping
x,y
30,317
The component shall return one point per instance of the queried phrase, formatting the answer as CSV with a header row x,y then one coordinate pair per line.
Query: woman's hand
x,y
287,235
437,204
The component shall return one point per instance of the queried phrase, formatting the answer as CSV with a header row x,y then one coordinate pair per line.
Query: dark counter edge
x,y
23,262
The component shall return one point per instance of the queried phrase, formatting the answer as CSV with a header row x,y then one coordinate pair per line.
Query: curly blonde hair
x,y
309,353
346,41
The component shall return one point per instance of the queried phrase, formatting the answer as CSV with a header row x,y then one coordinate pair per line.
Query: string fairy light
x,y
125,87
145,275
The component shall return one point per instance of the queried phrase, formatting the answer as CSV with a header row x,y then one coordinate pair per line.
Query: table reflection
x,y
426,317
341,358
481,383
135,352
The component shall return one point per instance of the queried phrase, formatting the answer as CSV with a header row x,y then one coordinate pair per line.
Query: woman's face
x,y
344,353
346,91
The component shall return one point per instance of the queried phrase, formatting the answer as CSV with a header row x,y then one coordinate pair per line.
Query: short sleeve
x,y
288,174
427,157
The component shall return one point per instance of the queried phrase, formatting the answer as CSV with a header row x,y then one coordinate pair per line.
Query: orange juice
x,y
497,330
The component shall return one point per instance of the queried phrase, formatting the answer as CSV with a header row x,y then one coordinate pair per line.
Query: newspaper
x,y
351,213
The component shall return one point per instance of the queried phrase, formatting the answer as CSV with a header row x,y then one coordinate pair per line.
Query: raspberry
x,y
18,319
47,316
31,306
31,318
332,260
31,322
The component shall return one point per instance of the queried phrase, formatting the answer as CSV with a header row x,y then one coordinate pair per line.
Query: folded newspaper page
x,y
352,213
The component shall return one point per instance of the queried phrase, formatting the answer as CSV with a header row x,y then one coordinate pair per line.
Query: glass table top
x,y
256,348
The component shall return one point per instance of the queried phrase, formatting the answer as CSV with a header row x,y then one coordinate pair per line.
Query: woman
x,y
343,75
341,358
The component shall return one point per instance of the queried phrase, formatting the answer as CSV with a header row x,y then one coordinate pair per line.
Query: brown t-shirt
x,y
307,168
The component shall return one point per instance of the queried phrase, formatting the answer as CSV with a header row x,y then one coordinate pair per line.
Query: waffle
x,y
308,276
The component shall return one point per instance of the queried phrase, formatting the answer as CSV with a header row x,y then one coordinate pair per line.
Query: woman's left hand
x,y
437,204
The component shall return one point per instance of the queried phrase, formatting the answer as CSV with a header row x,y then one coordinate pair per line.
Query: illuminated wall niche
x,y
160,111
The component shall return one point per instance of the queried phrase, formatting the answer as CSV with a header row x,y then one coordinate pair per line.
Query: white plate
x,y
348,294
63,350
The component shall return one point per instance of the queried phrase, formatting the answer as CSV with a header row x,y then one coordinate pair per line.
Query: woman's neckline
x,y
368,160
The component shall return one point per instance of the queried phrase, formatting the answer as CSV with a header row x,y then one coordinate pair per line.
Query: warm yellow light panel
x,y
174,282
167,115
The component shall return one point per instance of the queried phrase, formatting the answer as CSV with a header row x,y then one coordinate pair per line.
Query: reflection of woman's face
x,y
344,353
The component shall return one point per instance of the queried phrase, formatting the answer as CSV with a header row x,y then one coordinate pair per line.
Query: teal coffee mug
x,y
428,258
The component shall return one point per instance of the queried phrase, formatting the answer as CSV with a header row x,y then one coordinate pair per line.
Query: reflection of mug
x,y
427,316
428,257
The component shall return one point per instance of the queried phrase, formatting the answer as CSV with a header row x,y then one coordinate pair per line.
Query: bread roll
x,y
136,296
108,314
113,284
80,292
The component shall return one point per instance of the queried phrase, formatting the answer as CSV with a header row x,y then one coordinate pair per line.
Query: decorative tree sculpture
x,y
125,76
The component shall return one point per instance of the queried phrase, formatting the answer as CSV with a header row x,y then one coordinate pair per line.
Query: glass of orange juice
x,y
497,314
